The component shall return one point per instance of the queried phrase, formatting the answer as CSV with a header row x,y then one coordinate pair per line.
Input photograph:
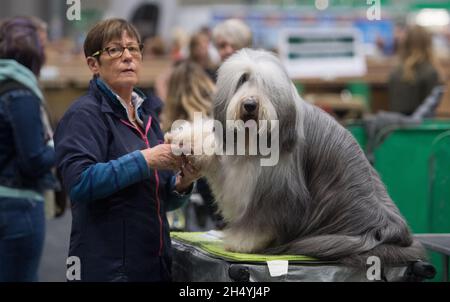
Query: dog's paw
x,y
195,140
179,134
244,242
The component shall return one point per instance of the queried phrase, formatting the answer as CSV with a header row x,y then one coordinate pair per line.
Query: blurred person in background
x,y
119,174
416,76
212,50
199,53
399,36
42,28
190,91
230,36
154,48
26,150
176,54
55,200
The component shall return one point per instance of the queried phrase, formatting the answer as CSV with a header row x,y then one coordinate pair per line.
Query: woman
x,y
230,36
414,79
190,91
26,152
199,53
117,171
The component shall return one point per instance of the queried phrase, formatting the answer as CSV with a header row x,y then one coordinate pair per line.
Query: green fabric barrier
x,y
357,130
439,194
362,90
402,162
414,164
211,243
439,184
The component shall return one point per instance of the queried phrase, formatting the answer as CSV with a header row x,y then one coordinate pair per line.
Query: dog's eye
x,y
242,80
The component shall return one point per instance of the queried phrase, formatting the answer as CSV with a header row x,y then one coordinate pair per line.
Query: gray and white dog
x,y
322,199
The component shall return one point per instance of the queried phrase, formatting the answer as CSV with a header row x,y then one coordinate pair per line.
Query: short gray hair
x,y
235,31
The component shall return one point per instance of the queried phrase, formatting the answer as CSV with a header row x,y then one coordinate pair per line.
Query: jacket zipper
x,y
158,202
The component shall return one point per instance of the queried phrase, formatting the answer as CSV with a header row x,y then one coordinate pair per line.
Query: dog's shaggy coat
x,y
323,198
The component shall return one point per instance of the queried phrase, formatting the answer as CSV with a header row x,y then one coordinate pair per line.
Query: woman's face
x,y
121,72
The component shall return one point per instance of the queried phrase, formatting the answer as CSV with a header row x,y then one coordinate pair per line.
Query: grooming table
x,y
199,256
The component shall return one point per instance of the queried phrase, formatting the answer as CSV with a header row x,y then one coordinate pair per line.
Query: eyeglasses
x,y
118,50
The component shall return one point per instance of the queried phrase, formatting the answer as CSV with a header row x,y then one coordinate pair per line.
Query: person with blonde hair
x,y
190,90
199,52
230,36
415,77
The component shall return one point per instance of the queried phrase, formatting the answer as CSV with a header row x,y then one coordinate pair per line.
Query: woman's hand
x,y
162,157
188,175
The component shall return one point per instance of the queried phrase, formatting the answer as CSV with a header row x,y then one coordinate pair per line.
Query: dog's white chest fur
x,y
238,181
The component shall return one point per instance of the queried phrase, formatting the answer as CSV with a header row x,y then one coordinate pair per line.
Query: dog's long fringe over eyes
x,y
244,78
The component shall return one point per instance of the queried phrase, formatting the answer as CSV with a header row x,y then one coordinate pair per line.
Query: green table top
x,y
211,243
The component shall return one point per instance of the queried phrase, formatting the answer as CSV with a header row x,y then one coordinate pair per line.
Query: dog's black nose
x,y
250,105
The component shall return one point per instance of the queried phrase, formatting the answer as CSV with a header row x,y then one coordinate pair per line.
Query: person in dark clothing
x,y
413,80
26,151
118,172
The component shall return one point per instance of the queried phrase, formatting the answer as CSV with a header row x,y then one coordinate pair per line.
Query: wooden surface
x,y
336,105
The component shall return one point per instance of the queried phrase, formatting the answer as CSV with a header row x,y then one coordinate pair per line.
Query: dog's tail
x,y
351,250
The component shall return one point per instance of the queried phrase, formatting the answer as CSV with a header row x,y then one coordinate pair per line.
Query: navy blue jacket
x,y
119,227
25,158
